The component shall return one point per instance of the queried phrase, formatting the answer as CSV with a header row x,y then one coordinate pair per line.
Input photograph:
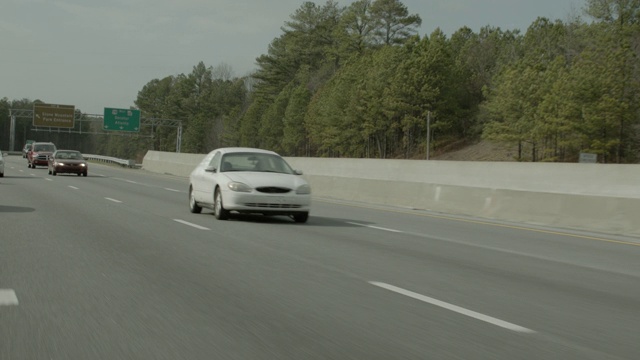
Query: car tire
x,y
218,207
1,174
193,205
301,217
84,173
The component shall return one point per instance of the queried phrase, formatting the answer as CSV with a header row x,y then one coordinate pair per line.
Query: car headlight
x,y
59,163
83,164
303,189
239,187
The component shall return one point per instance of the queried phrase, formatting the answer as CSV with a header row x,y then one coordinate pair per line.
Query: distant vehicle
x,y
249,181
67,162
26,147
1,165
39,154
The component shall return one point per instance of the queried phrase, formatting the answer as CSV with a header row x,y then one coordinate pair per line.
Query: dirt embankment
x,y
482,151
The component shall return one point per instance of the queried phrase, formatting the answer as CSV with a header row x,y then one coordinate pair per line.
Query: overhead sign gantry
x,y
54,115
121,120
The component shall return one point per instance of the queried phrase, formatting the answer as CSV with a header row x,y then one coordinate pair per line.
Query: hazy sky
x,y
99,53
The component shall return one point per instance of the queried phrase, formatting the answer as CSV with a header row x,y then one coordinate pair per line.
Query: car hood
x,y
260,179
71,161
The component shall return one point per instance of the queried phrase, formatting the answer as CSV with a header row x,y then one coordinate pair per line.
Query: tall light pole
x,y
428,133
12,133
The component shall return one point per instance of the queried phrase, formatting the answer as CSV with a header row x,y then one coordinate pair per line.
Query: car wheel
x,y
301,217
84,173
1,174
193,205
218,207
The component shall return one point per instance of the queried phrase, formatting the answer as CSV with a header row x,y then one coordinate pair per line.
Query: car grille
x,y
273,190
42,157
273,206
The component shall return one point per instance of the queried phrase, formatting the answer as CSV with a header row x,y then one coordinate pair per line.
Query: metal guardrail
x,y
111,160
100,158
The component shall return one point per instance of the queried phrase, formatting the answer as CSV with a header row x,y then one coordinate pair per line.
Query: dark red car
x,y
39,154
68,162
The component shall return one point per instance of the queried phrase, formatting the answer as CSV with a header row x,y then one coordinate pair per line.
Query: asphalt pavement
x,y
114,266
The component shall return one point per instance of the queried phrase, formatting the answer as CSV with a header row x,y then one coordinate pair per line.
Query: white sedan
x,y
249,181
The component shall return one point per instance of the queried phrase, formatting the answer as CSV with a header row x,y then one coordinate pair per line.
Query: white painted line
x,y
48,179
375,227
131,181
191,224
8,297
114,200
174,190
454,308
73,187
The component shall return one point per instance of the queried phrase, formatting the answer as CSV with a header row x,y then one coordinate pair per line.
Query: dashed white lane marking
x,y
73,187
48,179
191,224
114,200
375,227
8,297
174,190
454,308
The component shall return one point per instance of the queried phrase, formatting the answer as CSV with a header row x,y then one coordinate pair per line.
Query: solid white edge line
x,y
114,200
375,227
8,297
73,187
174,190
191,224
454,308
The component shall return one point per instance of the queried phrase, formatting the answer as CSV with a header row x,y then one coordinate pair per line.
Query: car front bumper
x,y
266,203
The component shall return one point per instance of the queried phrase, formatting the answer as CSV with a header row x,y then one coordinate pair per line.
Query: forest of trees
x,y
359,81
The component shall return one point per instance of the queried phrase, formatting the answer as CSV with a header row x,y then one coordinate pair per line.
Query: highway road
x,y
114,266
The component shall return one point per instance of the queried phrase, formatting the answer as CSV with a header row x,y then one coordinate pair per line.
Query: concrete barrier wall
x,y
597,197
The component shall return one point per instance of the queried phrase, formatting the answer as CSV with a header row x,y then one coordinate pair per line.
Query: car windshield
x,y
256,162
74,155
44,147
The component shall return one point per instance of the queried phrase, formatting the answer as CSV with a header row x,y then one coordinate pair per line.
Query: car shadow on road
x,y
285,220
17,177
15,209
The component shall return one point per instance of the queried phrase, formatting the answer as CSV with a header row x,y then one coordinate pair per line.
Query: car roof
x,y
229,150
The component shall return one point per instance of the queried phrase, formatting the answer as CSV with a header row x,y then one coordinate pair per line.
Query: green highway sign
x,y
121,120
53,115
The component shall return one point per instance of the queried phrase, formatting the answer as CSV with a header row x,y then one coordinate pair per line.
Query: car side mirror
x,y
210,169
297,172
